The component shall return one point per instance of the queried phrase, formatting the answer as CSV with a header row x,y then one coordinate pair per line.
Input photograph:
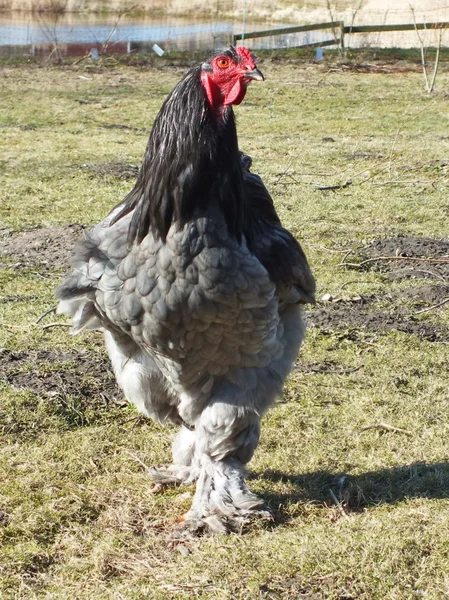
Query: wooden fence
x,y
339,29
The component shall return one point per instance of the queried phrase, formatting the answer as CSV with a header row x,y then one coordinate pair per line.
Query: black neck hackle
x,y
191,162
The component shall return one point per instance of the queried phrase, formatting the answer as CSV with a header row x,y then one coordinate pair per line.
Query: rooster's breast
x,y
200,303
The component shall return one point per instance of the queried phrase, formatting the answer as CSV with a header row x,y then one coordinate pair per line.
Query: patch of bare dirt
x,y
402,257
405,257
363,156
387,67
403,245
82,375
422,295
46,247
377,322
362,317
116,170
328,367
124,127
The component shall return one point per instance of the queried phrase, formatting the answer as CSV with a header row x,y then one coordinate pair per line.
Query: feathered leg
x,y
225,439
214,455
182,470
226,435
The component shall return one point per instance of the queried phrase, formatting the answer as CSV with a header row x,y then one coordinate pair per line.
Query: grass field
x,y
353,460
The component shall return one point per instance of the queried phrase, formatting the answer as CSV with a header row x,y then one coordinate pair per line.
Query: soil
x,y
386,67
403,247
124,127
422,295
116,170
396,310
86,375
328,367
46,247
359,318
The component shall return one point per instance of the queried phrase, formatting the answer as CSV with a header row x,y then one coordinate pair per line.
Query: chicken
x,y
199,291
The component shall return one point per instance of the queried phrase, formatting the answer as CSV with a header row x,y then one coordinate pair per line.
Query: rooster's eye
x,y
223,62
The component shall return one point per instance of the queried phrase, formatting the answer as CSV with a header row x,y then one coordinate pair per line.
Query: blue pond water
x,y
42,30
27,32
28,29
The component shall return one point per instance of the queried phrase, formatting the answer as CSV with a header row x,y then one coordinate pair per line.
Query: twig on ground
x,y
413,258
130,420
339,505
348,253
385,427
343,285
433,274
347,371
336,371
282,173
291,177
42,275
332,250
372,175
323,188
48,312
403,181
137,459
442,303
187,586
318,174
56,325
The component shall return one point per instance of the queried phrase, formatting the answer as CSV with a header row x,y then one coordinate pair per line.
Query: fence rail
x,y
283,30
339,29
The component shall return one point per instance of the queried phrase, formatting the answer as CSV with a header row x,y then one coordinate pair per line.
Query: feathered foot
x,y
171,475
222,502
181,471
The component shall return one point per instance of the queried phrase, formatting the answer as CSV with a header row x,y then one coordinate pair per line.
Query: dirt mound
x,y
359,318
124,127
423,295
46,247
404,257
83,374
114,170
387,67
403,245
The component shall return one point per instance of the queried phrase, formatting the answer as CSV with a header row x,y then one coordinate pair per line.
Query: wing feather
x,y
275,247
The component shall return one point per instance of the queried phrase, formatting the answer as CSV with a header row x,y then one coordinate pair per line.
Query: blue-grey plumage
x,y
199,290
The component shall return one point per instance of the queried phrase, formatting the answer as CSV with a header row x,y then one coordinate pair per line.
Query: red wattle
x,y
237,93
219,97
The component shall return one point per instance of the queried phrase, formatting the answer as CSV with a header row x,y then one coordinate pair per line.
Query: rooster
x,y
199,291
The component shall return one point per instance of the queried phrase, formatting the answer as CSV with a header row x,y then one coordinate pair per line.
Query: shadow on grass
x,y
356,492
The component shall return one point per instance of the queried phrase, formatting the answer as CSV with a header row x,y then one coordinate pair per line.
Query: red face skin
x,y
226,83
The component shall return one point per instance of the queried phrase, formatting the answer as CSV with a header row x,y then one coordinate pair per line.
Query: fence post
x,y
342,35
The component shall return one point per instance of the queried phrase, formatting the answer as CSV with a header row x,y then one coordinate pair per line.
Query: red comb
x,y
245,54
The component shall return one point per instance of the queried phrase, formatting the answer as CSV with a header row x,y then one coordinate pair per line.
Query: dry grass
x,y
359,514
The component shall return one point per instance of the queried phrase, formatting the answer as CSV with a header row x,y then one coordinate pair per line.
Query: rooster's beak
x,y
254,74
